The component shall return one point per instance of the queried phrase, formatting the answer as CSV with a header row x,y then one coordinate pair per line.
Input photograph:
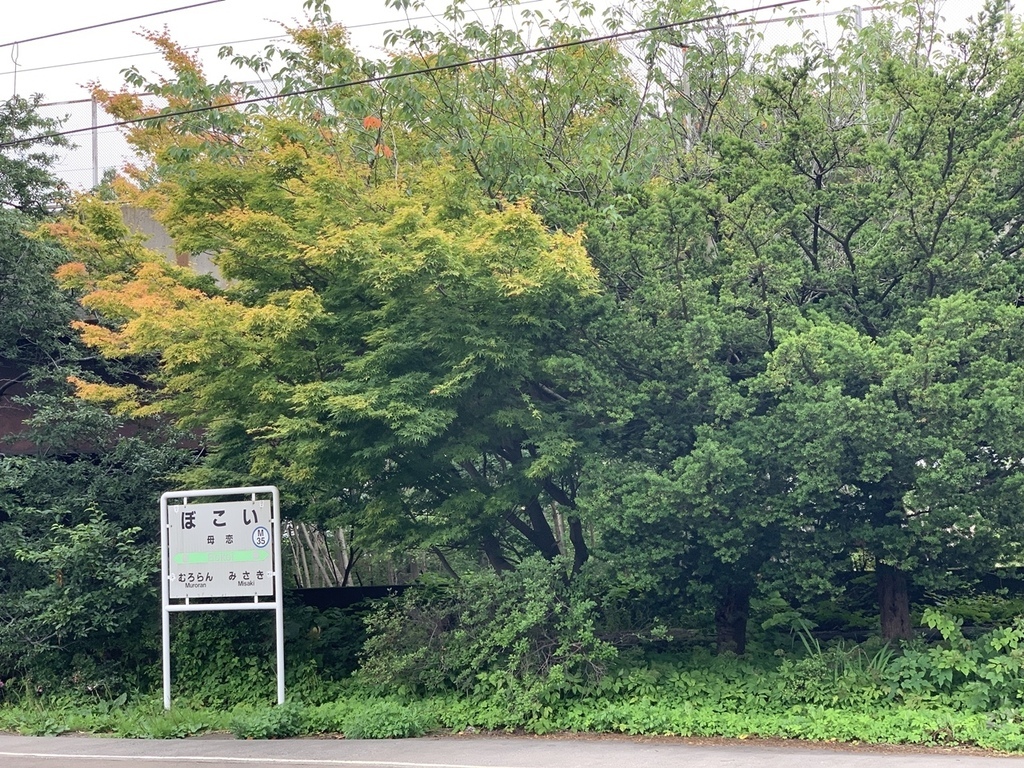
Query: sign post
x,y
221,555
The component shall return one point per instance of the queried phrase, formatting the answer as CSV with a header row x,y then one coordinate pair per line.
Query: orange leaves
x,y
373,123
109,342
72,275
71,270
180,60
123,104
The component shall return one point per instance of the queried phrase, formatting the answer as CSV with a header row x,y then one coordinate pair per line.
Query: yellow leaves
x,y
122,400
259,230
568,257
524,257
435,235
317,39
288,313
353,405
126,189
316,246
96,234
108,341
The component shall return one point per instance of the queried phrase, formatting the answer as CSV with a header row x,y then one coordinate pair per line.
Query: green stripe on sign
x,y
232,556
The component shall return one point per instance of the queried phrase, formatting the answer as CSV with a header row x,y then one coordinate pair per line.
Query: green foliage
x,y
980,675
97,577
26,182
785,343
322,649
77,555
223,659
521,641
177,723
836,675
983,609
34,312
95,597
77,558
387,719
838,692
122,717
278,722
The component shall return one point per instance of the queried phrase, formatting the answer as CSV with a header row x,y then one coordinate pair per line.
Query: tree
x,y
907,293
26,183
388,357
726,384
848,217
76,557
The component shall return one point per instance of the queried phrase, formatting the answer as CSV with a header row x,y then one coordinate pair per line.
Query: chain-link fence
x,y
93,153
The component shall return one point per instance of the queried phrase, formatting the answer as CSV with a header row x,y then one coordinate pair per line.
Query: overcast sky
x,y
41,65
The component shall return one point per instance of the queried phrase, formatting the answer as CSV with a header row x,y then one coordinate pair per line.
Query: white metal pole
x,y
278,595
95,145
165,601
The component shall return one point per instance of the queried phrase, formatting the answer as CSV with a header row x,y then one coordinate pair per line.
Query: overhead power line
x,y
24,70
408,73
108,23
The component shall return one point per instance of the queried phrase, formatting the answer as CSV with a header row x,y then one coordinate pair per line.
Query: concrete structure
x,y
157,239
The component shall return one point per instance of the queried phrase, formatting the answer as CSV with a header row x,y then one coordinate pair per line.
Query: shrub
x,y
387,719
278,722
523,640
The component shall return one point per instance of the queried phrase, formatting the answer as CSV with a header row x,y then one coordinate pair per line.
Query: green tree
x,y
77,557
843,198
772,237
871,197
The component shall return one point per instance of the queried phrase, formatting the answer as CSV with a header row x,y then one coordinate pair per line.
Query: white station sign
x,y
222,549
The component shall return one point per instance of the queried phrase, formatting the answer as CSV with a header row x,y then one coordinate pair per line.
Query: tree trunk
x,y
893,602
543,537
580,551
445,565
731,618
492,550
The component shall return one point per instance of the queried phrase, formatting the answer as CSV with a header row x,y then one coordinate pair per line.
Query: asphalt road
x,y
459,752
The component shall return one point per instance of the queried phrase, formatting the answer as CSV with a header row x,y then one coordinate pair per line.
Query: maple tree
x,y
390,355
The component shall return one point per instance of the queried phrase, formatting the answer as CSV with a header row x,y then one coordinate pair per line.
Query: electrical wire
x,y
109,23
364,25
398,75
140,55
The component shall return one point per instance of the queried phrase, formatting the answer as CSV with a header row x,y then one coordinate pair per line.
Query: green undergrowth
x,y
955,691
133,720
394,717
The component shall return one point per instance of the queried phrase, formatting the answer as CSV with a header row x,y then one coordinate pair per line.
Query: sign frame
x,y
251,602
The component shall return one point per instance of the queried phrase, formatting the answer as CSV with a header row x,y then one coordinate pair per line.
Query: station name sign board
x,y
222,549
